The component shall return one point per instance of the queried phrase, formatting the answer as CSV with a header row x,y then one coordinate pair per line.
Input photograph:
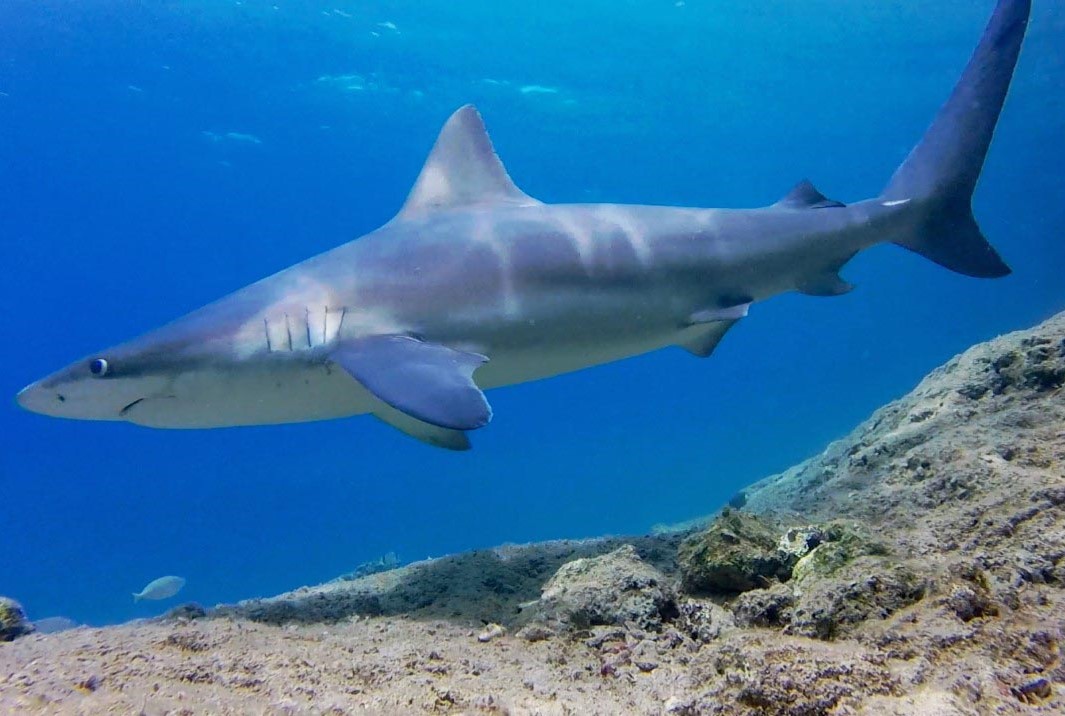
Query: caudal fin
x,y
940,174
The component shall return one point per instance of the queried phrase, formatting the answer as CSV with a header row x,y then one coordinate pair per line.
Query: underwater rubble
x,y
916,566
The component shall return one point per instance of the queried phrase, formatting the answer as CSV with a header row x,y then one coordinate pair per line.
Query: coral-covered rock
x,y
703,621
13,622
841,543
765,607
827,607
615,588
736,553
799,541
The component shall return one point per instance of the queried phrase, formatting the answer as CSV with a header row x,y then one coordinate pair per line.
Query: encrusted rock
x,y
535,632
615,588
765,607
703,621
736,553
13,622
185,612
841,544
867,588
970,597
799,541
490,632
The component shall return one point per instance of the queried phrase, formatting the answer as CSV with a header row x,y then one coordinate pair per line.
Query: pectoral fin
x,y
428,382
707,327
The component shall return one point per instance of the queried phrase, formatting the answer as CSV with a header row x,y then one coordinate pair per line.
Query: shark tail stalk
x,y
939,176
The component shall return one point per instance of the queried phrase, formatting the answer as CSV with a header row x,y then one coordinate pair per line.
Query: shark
x,y
474,284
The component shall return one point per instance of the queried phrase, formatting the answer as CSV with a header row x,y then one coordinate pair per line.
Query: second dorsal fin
x,y
462,170
805,195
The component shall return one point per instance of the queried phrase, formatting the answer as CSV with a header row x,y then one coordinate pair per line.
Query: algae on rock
x,y
736,553
842,543
614,588
863,589
13,621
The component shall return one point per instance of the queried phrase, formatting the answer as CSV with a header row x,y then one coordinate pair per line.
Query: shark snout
x,y
38,399
74,400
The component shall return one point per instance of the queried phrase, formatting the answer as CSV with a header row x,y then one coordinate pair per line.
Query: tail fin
x,y
136,597
941,172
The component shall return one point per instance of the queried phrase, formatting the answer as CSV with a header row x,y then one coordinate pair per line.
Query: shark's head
x,y
103,386
243,360
176,374
110,384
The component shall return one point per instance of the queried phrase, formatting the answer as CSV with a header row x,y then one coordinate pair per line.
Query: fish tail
x,y
937,180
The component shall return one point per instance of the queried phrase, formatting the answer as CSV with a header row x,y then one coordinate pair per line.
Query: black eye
x,y
98,367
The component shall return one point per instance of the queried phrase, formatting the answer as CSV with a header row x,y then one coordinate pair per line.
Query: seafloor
x,y
915,567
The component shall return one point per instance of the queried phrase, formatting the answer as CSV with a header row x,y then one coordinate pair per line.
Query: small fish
x,y
162,588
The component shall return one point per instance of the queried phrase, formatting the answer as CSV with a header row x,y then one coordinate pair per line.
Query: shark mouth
x,y
122,413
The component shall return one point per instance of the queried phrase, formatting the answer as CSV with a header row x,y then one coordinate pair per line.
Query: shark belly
x,y
270,393
523,366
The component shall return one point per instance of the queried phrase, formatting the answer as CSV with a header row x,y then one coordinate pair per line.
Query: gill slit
x,y
266,330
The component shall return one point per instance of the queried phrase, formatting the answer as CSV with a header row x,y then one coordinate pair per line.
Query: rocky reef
x,y
916,566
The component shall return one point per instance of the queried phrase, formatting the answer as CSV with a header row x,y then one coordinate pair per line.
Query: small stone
x,y
1033,691
765,607
491,631
185,612
970,602
675,705
90,683
535,632
798,541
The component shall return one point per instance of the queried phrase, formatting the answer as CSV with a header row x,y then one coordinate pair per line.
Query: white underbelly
x,y
266,395
510,368
292,392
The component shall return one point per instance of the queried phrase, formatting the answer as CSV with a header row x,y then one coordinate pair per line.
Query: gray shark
x,y
475,284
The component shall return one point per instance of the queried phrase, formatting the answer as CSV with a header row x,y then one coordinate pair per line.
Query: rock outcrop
x,y
615,589
736,553
13,621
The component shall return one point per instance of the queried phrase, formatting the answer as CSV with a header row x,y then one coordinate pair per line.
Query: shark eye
x,y
98,367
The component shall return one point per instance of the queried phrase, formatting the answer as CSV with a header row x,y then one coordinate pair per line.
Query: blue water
x,y
156,156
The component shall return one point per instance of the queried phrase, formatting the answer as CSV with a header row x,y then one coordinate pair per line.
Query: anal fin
x,y
701,339
828,283
714,315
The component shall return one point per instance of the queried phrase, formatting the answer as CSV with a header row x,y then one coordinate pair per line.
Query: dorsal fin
x,y
806,196
462,170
